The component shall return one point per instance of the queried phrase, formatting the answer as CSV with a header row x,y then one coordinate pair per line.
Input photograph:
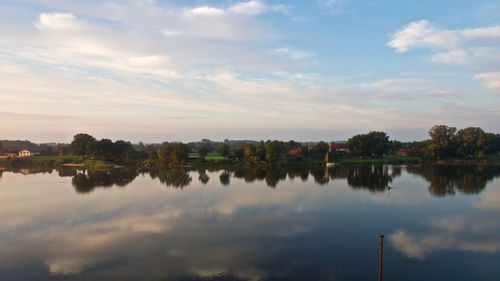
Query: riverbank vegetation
x,y
446,144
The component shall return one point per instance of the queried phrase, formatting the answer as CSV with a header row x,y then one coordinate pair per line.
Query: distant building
x,y
340,147
403,151
24,153
295,152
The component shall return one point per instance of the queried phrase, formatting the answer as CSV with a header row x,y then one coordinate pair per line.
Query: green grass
x,y
41,161
214,156
389,159
98,164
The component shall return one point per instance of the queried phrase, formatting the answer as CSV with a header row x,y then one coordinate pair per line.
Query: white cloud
x,y
490,198
477,47
291,53
58,21
422,34
452,57
491,79
333,6
420,246
251,8
206,11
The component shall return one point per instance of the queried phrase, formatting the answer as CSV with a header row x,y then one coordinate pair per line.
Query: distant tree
x,y
272,151
442,143
492,143
81,142
1,147
119,148
173,153
224,150
304,150
130,154
261,151
320,149
249,151
203,151
471,142
236,153
291,144
396,145
373,144
102,149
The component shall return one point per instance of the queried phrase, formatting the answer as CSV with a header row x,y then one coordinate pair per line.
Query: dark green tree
x,y
81,142
320,149
272,151
203,151
173,154
442,143
373,144
224,150
471,142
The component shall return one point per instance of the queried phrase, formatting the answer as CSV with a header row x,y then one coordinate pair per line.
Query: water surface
x,y
440,223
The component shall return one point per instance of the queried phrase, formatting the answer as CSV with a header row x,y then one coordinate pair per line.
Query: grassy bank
x,y
53,161
389,159
41,161
98,165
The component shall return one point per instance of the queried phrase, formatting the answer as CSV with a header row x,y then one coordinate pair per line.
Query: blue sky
x,y
306,70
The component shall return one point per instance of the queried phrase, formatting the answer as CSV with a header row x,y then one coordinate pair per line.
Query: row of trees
x,y
445,142
471,142
104,149
373,144
270,151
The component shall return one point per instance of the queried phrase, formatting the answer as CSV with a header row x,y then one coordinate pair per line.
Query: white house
x,y
24,153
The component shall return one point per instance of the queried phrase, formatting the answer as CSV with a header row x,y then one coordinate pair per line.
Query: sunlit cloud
x,y
468,46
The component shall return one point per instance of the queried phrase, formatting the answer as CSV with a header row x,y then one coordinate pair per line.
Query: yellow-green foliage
x,y
98,164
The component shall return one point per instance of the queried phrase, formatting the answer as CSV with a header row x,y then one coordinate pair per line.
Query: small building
x,y
403,151
295,152
340,147
24,153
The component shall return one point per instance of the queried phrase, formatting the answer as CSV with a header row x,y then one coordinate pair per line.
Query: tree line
x,y
444,142
105,149
471,142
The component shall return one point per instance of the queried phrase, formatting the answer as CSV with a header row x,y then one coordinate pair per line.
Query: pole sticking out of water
x,y
380,259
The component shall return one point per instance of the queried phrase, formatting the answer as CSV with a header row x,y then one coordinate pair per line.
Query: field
x,y
214,156
210,156
43,161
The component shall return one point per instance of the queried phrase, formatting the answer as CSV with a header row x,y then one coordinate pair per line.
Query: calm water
x,y
440,223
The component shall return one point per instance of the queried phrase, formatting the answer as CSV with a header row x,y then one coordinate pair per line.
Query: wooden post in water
x,y
380,259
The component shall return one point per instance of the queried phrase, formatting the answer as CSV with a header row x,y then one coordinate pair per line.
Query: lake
x,y
441,222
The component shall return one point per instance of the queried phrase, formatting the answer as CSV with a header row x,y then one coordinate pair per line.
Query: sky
x,y
155,70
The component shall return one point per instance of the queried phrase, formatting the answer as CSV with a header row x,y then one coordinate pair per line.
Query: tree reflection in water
x,y
177,178
448,179
225,178
443,179
87,181
202,176
372,177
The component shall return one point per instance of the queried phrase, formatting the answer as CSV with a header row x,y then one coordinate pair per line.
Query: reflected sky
x,y
247,224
